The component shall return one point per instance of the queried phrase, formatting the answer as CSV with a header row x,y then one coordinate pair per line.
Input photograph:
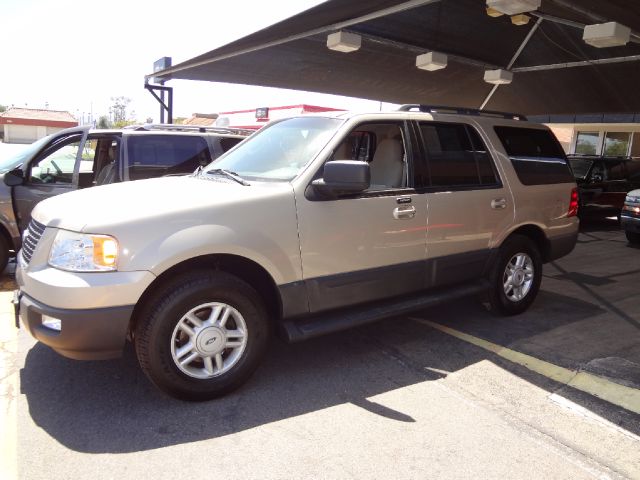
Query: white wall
x,y
20,133
27,133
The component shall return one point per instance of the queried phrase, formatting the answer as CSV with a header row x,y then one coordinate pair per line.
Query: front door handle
x,y
498,203
405,212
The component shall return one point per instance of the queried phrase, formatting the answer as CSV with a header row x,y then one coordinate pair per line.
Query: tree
x,y
103,122
123,123
119,112
2,108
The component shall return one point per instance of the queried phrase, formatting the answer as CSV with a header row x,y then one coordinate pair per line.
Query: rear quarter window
x,y
536,155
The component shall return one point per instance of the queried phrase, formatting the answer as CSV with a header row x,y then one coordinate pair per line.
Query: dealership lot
x,y
409,397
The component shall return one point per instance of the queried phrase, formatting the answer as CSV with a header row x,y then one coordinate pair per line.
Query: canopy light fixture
x,y
498,77
431,61
602,35
344,41
492,12
514,7
521,19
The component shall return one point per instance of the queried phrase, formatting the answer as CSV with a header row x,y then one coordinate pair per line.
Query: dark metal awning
x,y
555,71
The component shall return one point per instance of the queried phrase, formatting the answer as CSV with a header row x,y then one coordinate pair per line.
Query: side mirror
x,y
343,177
14,177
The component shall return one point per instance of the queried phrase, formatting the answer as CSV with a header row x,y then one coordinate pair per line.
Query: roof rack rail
x,y
190,128
460,111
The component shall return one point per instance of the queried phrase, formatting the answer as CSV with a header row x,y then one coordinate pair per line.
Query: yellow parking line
x,y
620,395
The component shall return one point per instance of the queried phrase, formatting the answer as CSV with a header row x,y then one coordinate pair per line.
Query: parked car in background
x,y
603,183
630,217
81,157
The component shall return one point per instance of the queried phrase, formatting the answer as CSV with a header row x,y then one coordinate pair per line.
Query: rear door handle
x,y
404,212
498,203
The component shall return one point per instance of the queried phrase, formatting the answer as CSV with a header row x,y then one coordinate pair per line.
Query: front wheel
x,y
202,335
516,276
632,237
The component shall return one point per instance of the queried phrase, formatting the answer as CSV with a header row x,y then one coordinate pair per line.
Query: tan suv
x,y
312,225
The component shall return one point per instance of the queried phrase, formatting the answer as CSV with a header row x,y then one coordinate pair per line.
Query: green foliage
x,y
103,122
3,108
119,111
617,149
123,123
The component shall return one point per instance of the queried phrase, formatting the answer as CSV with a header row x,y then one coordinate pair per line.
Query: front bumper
x,y
86,334
630,223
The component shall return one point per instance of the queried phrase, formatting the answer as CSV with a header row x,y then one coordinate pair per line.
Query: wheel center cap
x,y
210,340
518,277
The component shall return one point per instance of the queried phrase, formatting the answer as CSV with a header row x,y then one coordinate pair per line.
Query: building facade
x,y
26,125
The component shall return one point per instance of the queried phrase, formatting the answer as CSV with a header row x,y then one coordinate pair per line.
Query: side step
x,y
303,328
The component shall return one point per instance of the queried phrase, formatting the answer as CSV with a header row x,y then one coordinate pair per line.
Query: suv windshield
x,y
26,153
280,151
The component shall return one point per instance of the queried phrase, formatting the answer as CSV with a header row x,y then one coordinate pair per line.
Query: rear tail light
x,y
573,203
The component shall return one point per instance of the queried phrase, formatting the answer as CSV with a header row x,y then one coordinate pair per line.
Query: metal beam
x,y
570,5
585,63
420,49
324,29
513,59
168,106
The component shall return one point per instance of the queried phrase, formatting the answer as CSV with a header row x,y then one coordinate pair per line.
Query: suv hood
x,y
634,193
97,209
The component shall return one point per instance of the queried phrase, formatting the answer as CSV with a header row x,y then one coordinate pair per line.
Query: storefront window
x,y
617,144
587,143
635,145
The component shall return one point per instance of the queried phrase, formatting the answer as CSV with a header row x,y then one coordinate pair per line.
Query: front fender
x,y
160,254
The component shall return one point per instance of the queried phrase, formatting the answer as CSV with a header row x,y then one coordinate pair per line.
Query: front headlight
x,y
79,252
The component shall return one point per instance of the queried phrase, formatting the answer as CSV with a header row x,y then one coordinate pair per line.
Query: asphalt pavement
x,y
448,392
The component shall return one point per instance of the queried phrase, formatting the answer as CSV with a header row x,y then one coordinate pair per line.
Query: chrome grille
x,y
30,239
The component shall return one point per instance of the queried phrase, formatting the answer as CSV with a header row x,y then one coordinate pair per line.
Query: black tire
x,y
632,237
4,253
509,303
157,333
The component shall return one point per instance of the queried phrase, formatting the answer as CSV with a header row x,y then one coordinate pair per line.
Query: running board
x,y
303,328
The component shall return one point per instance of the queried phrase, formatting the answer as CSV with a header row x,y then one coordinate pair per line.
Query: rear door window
x,y
159,155
536,155
457,156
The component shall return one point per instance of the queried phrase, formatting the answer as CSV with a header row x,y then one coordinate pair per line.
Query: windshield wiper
x,y
229,174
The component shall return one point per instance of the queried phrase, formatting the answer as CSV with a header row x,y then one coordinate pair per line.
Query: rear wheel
x,y
516,276
632,237
202,335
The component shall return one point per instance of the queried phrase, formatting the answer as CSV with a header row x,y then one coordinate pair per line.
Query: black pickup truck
x,y
603,183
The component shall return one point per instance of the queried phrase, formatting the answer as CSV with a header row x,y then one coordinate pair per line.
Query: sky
x,y
76,55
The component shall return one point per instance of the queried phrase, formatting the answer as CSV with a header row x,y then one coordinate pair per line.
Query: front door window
x,y
57,164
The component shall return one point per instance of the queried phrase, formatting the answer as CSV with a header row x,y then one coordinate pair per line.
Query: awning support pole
x,y
168,106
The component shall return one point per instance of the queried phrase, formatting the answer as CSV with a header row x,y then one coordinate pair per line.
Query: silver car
x,y
79,157
312,225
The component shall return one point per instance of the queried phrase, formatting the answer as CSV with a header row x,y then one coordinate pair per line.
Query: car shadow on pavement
x,y
110,407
